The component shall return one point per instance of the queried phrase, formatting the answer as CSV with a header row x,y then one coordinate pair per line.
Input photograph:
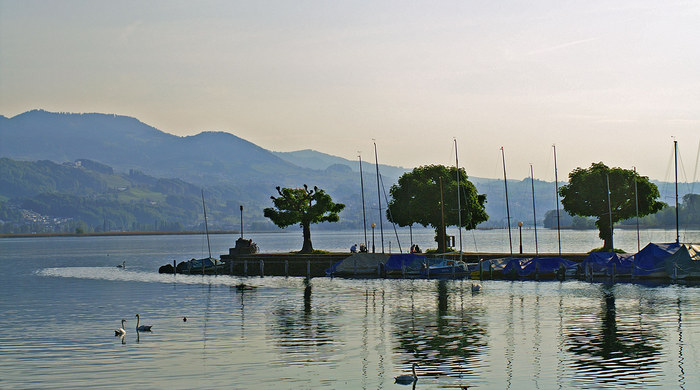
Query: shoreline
x,y
105,234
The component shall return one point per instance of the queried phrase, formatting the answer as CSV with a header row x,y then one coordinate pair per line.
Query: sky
x,y
610,81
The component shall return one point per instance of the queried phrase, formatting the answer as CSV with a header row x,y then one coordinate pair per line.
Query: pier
x,y
315,265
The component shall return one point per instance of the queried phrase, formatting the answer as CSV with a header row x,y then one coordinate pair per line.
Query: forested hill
x,y
43,196
118,152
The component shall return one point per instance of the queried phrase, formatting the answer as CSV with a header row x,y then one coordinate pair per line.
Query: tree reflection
x,y
302,332
616,352
446,343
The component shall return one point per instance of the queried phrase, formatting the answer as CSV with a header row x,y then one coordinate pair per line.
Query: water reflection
x,y
617,353
444,340
304,335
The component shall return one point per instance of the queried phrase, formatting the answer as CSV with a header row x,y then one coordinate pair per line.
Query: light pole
x,y
520,230
241,221
373,226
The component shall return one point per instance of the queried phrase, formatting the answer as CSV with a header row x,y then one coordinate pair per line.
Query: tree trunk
x,y
441,239
607,244
307,247
605,234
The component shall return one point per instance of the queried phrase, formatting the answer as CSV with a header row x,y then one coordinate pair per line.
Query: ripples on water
x,y
60,310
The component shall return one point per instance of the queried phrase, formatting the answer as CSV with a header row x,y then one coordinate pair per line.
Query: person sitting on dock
x,y
353,248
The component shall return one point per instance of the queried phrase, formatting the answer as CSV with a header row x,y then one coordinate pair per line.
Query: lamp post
x,y
373,226
241,221
520,230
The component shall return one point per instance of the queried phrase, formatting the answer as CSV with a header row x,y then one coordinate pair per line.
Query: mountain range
x,y
232,170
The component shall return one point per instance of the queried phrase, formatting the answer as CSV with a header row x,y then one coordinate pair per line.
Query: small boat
x,y
207,265
445,267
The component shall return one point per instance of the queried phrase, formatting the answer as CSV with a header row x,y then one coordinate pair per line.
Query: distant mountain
x,y
312,159
236,172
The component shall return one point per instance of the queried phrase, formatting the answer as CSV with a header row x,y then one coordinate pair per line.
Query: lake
x,y
62,298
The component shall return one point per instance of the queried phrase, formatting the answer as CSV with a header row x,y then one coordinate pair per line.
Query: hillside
x,y
123,152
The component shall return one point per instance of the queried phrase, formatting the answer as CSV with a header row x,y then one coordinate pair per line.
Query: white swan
x,y
142,328
407,379
120,331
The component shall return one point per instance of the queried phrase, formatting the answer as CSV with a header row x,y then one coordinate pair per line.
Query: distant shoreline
x,y
237,232
23,235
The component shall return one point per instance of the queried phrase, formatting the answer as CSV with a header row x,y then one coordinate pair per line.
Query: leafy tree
x,y
303,206
586,195
416,199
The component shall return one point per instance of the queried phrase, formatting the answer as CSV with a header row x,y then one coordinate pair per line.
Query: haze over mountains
x,y
235,171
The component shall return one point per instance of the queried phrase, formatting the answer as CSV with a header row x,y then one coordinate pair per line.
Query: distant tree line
x,y
688,217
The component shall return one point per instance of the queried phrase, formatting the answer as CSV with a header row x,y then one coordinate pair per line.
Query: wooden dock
x,y
315,265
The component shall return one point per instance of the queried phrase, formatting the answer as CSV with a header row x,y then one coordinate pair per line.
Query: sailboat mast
x,y
612,245
206,227
442,214
636,205
534,213
675,158
362,188
556,191
505,183
379,196
459,204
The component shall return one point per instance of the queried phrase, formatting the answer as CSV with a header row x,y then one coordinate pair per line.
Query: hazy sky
x,y
609,81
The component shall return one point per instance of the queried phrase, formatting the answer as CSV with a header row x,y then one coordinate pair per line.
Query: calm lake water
x,y
62,298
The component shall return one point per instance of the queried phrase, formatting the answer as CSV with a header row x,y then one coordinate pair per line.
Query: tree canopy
x,y
586,195
303,206
416,199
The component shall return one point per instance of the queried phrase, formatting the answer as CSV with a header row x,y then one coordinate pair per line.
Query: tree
x,y
416,199
586,195
303,206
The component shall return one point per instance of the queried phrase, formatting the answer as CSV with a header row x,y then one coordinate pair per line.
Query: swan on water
x,y
122,265
407,379
142,328
120,331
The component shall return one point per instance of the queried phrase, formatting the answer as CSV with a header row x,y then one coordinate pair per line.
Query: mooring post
x,y
481,269
308,268
286,268
174,267
589,272
675,272
262,268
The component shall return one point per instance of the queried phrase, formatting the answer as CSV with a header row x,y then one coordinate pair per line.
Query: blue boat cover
x,y
685,263
543,265
409,260
597,261
650,260
197,263
622,262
